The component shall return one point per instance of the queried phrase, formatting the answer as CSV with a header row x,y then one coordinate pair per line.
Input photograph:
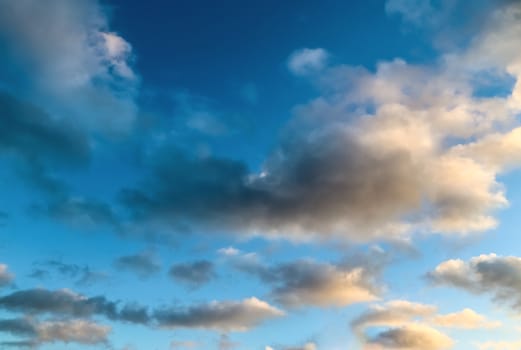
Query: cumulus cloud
x,y
306,61
499,276
193,274
410,337
6,277
310,283
75,331
222,316
401,324
438,145
78,331
79,69
142,264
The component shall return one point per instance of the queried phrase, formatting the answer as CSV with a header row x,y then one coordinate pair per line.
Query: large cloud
x,y
499,276
381,154
68,61
219,315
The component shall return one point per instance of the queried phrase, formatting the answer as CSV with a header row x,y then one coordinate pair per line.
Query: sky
x,y
261,175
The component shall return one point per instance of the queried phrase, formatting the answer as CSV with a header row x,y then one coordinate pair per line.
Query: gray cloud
x,y
378,155
499,276
412,337
142,264
222,316
83,275
6,277
307,282
68,303
193,274
76,68
77,331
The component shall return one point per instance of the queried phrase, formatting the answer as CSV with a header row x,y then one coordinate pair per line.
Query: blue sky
x,y
295,175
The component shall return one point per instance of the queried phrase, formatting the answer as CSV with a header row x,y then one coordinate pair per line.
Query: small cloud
x,y
306,61
193,274
6,278
224,316
142,264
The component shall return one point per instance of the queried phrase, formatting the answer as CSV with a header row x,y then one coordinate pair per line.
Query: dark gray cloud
x,y
142,264
193,274
18,327
68,303
222,316
498,276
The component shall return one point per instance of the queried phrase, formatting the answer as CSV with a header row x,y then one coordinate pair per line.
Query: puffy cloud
x,y
380,155
309,283
5,276
393,313
68,61
411,337
218,315
402,324
193,274
143,264
484,274
77,331
466,319
306,61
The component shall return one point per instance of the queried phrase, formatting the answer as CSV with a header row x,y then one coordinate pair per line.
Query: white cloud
x,y
305,61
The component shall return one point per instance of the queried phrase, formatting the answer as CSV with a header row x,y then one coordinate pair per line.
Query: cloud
x,y
465,319
499,276
76,331
304,283
83,275
307,346
401,324
69,62
224,316
411,337
439,147
193,274
68,303
306,61
186,344
6,278
499,345
142,264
